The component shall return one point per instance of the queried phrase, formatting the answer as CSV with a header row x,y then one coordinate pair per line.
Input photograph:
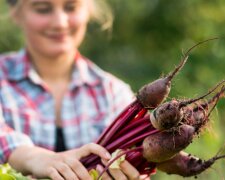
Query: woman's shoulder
x,y
105,76
9,57
8,61
109,79
9,54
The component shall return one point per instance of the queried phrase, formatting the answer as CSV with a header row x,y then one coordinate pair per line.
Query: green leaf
x,y
94,174
116,163
8,173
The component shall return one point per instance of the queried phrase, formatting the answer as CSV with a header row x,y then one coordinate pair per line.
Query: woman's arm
x,y
43,163
10,140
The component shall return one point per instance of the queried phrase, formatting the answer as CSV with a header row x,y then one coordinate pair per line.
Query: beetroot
x,y
164,145
186,165
154,93
169,114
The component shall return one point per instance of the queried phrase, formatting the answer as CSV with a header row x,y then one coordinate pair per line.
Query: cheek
x,y
79,20
34,25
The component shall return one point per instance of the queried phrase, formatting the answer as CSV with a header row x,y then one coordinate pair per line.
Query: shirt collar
x,y
84,72
19,66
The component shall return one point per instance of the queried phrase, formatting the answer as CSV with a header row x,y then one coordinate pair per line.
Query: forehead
x,y
53,1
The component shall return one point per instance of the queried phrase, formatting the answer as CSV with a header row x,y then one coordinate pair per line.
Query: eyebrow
x,y
36,3
11,2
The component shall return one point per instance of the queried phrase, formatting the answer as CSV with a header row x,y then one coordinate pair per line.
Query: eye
x,y
42,7
72,6
43,10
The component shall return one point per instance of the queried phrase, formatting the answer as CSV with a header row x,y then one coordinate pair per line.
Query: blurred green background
x,y
147,41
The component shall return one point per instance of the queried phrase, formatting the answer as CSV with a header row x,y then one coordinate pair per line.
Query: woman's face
x,y
53,27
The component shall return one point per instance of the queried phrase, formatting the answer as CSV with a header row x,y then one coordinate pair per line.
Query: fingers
x,y
130,171
116,173
79,169
145,177
104,176
92,148
65,171
68,166
126,171
54,174
73,170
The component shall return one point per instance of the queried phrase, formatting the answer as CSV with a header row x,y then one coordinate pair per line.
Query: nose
x,y
60,19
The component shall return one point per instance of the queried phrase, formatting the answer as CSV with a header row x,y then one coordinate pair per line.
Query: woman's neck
x,y
54,69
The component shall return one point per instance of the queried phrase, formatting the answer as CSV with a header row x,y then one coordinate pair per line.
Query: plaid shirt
x,y
27,114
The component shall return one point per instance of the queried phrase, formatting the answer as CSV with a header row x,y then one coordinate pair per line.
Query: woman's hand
x,y
58,166
126,172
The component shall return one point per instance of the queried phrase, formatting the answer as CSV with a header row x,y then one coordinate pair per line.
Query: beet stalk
x,y
148,97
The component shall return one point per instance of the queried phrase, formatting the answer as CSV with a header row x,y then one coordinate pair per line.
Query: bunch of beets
x,y
151,134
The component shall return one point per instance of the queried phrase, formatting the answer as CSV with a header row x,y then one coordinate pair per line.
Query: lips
x,y
58,37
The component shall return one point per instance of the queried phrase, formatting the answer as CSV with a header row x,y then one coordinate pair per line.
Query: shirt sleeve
x,y
123,96
10,140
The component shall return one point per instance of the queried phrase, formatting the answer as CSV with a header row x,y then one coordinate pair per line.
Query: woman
x,y
54,100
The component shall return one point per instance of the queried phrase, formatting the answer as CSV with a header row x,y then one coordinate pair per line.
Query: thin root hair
x,y
201,42
184,103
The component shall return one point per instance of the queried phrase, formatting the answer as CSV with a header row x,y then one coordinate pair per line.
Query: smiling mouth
x,y
58,37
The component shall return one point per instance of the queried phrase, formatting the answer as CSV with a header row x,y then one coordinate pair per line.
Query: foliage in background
x,y
147,41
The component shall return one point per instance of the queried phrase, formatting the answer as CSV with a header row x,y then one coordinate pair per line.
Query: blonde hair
x,y
100,12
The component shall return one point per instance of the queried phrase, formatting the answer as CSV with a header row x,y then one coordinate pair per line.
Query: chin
x,y
54,52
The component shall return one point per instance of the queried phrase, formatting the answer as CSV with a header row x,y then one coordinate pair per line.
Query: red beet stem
x,y
144,121
127,115
129,136
135,158
121,115
138,139
141,132
140,114
120,123
134,129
